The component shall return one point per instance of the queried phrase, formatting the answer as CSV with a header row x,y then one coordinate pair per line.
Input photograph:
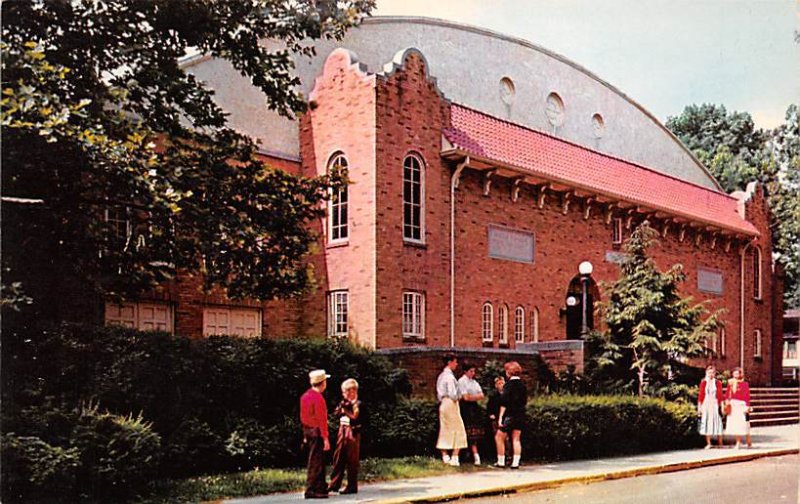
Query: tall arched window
x,y
413,194
337,205
519,324
487,322
757,343
535,324
756,273
502,321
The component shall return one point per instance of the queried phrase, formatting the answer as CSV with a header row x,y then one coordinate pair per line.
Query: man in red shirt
x,y
314,417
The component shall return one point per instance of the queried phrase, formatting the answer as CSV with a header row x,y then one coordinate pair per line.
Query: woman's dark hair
x,y
466,366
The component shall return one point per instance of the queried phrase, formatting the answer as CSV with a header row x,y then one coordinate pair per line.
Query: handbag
x,y
726,409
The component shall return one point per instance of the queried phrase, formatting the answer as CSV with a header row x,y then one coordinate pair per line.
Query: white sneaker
x,y
454,462
446,459
477,461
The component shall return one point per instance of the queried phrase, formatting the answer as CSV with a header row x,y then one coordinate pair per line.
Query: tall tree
x,y
737,153
650,328
119,169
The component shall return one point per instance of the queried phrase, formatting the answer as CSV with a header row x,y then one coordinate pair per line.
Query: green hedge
x,y
218,404
575,427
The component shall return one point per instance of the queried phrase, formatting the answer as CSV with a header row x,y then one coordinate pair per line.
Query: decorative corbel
x,y
587,209
542,196
459,168
629,219
515,188
567,198
610,212
487,182
728,244
698,237
665,229
682,233
714,241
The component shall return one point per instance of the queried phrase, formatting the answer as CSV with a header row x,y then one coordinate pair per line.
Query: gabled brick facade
x,y
375,121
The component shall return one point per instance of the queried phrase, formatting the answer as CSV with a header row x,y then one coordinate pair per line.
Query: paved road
x,y
764,481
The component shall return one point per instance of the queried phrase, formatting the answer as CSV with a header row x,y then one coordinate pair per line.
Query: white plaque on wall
x,y
709,280
510,244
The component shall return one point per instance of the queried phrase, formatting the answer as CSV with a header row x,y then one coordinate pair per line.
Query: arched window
x,y
337,205
757,343
519,324
535,325
757,273
487,322
413,194
502,321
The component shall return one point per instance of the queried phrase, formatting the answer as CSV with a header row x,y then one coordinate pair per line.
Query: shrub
x,y
570,427
255,445
194,448
32,469
222,381
408,428
118,454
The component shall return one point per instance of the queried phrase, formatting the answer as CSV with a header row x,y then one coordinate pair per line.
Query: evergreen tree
x,y
651,330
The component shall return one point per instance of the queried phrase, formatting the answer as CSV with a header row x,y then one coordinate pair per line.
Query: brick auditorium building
x,y
484,170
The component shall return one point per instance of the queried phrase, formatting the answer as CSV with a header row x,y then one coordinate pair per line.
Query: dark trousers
x,y
347,456
315,473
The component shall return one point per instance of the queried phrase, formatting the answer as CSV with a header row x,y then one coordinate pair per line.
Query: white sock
x,y
515,461
501,460
454,460
477,459
446,458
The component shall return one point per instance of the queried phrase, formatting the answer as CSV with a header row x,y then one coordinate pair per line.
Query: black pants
x,y
347,456
315,472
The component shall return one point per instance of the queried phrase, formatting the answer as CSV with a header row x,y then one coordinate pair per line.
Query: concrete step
x,y
776,413
764,422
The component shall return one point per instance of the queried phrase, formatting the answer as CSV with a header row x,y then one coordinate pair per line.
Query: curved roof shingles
x,y
491,139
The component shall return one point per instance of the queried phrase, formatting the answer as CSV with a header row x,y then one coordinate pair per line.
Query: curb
x,y
544,485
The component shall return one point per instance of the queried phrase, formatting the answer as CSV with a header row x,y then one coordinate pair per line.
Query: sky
x,y
665,54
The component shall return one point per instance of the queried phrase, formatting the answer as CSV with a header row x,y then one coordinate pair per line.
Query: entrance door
x,y
574,311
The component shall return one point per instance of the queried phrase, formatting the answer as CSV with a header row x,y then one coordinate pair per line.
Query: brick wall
x,y
343,120
411,114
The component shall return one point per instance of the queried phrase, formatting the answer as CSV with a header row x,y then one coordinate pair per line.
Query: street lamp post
x,y
585,269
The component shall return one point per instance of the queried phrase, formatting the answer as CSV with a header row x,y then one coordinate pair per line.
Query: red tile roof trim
x,y
491,139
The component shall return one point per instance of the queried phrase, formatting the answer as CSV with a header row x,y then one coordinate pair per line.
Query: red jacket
x,y
314,411
742,392
702,395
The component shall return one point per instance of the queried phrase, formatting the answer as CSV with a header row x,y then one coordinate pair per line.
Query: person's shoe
x,y
738,445
498,466
446,459
316,496
707,447
514,466
477,460
453,462
347,491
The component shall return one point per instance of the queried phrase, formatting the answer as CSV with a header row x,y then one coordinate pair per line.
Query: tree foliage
x,y
736,153
650,328
119,168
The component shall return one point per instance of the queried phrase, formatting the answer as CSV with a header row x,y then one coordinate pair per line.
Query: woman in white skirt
x,y
452,435
738,396
709,400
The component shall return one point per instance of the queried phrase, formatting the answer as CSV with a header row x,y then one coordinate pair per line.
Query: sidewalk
x,y
767,441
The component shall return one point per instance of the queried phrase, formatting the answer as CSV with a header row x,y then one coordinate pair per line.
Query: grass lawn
x,y
265,481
